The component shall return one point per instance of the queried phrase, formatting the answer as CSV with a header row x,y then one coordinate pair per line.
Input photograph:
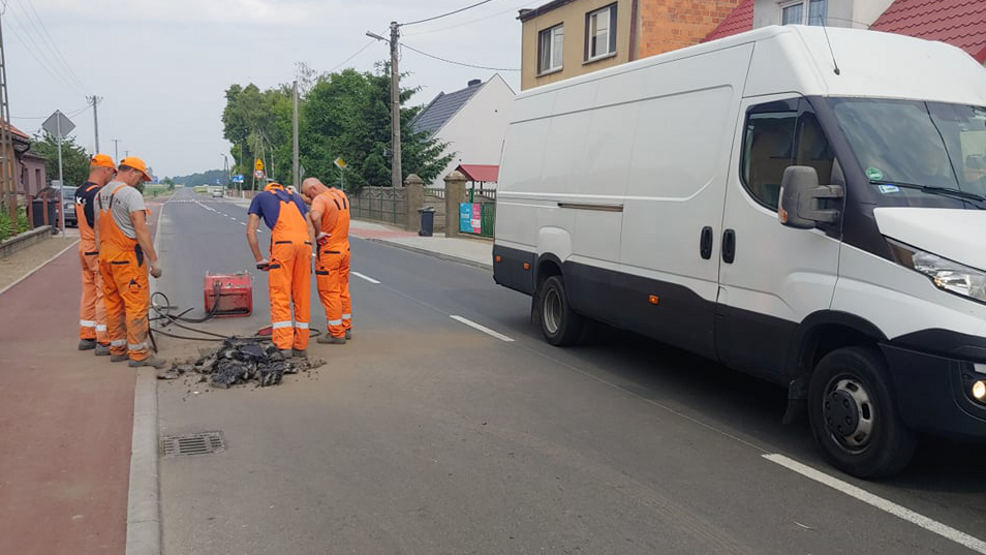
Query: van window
x,y
768,151
776,140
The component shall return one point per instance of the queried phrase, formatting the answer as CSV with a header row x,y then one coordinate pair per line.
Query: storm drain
x,y
205,443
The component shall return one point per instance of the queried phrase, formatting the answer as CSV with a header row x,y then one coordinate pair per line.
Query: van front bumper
x,y
932,374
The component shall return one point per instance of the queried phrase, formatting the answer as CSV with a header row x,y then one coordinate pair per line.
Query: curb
x,y
441,255
143,498
143,507
38,267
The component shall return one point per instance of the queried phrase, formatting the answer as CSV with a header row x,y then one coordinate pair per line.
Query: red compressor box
x,y
234,293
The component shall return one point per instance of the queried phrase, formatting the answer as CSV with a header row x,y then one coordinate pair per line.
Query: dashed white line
x,y
481,328
943,530
367,278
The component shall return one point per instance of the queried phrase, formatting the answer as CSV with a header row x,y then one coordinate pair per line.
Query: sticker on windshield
x,y
874,174
887,189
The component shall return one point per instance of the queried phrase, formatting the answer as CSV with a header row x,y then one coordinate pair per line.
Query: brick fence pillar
x,y
455,193
414,196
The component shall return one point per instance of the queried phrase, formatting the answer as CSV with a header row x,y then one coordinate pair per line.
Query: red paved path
x,y
66,419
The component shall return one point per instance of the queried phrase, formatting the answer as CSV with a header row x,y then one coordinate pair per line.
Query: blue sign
x,y
238,178
465,217
218,181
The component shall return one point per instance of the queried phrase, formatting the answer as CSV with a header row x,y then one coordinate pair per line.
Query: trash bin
x,y
37,211
427,221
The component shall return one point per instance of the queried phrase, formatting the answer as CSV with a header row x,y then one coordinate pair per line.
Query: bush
x,y
8,227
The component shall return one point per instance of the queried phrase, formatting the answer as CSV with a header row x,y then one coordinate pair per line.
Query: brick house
x,y
961,23
29,167
565,38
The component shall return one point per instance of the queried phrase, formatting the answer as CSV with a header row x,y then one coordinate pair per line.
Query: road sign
x,y
340,163
238,178
259,174
58,125
258,165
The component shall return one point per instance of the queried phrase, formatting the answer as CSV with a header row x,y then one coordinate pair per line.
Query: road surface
x,y
448,426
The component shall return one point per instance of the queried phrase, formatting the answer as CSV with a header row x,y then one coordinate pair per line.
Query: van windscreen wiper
x,y
947,191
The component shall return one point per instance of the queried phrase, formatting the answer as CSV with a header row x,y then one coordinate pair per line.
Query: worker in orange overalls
x,y
289,267
330,217
126,254
92,311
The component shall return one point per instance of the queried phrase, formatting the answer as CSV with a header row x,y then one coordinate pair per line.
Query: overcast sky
x,y
161,66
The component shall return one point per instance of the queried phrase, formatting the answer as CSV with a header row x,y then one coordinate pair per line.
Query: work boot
x,y
349,334
299,353
102,350
152,361
87,344
119,358
330,340
286,353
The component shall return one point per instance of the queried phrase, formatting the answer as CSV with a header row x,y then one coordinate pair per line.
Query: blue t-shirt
x,y
267,205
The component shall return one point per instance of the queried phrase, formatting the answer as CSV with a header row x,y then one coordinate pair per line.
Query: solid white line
x,y
483,329
898,511
143,507
38,267
367,278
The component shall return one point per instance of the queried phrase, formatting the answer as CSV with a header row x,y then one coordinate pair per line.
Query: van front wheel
x,y
853,415
559,323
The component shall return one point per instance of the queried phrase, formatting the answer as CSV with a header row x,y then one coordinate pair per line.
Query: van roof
x,y
797,58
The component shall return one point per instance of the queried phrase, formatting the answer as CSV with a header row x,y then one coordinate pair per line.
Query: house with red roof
x,y
961,23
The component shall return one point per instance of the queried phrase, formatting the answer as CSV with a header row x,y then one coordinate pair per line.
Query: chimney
x,y
475,82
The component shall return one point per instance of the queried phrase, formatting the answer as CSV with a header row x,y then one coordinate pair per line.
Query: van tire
x,y
854,417
559,324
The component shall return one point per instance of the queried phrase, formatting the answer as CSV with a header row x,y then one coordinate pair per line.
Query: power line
x,y
357,53
453,12
464,23
35,21
39,56
411,48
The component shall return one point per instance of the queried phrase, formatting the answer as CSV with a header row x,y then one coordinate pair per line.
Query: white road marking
x,y
945,531
481,328
367,278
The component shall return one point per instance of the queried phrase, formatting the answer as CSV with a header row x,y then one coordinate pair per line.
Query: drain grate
x,y
204,443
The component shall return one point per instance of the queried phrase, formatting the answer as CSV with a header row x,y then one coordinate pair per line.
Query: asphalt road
x,y
427,435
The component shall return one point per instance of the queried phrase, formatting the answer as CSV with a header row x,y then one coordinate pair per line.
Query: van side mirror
x,y
800,198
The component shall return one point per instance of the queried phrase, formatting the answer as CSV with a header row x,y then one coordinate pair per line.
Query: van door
x,y
771,276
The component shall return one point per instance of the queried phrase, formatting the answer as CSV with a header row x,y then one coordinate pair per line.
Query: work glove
x,y
155,269
263,265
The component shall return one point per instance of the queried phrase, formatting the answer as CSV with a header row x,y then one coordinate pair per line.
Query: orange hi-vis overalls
x,y
92,311
290,274
125,286
332,269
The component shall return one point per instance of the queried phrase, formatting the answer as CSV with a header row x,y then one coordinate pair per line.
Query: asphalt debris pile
x,y
241,361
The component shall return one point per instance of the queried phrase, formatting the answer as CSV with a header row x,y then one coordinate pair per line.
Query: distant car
x,y
217,194
68,207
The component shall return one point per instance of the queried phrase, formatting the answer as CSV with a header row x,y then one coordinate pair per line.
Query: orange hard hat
x,y
102,161
273,185
137,164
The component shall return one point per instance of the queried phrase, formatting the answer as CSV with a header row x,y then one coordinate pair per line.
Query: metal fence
x,y
382,204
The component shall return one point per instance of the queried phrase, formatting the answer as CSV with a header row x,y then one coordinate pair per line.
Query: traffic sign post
x,y
58,124
341,164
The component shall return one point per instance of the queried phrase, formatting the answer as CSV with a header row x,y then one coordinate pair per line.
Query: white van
x,y
802,206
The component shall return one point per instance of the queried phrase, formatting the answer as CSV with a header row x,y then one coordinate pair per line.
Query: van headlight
x,y
946,274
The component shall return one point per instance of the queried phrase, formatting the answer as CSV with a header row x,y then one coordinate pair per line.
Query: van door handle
x,y
729,246
705,244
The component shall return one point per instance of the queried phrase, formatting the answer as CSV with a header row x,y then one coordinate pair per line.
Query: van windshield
x,y
913,149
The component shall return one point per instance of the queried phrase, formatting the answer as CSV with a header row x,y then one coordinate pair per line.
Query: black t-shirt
x,y
85,198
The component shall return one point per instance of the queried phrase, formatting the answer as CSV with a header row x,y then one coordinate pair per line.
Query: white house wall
x,y
475,133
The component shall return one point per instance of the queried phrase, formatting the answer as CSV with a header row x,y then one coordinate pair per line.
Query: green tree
x,y
75,159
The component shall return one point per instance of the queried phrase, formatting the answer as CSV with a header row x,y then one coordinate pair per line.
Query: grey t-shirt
x,y
127,200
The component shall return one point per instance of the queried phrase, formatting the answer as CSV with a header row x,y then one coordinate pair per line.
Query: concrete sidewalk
x,y
474,252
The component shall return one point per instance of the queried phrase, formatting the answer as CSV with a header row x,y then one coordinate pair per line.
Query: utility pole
x,y
7,183
396,178
116,149
95,100
294,161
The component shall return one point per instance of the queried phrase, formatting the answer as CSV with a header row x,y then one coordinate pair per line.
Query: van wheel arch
x,y
825,331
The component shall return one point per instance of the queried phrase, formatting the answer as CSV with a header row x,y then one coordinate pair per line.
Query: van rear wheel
x,y
853,415
560,325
